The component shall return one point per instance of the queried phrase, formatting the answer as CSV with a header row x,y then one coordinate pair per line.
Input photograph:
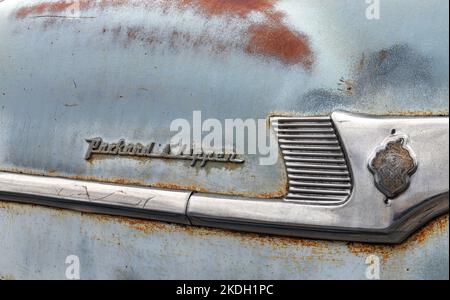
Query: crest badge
x,y
392,165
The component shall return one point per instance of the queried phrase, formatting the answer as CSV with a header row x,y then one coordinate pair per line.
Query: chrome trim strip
x,y
312,178
365,216
312,154
271,222
85,196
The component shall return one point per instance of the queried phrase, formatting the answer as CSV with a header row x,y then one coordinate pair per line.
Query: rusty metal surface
x,y
128,68
123,248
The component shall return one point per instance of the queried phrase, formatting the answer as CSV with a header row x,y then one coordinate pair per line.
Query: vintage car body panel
x,y
36,242
71,71
129,76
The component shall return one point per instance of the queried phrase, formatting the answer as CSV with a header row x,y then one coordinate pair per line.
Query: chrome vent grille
x,y
316,166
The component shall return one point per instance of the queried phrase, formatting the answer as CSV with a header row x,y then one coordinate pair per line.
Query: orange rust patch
x,y
280,42
271,38
319,249
240,8
100,157
436,226
61,6
145,226
45,7
172,186
280,193
282,241
65,6
150,226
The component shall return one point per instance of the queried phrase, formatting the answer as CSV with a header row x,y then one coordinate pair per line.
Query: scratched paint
x,y
123,248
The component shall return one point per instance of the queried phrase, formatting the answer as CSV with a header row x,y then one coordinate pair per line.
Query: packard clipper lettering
x,y
122,148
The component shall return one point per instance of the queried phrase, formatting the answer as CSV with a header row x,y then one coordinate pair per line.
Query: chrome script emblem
x,y
393,165
121,148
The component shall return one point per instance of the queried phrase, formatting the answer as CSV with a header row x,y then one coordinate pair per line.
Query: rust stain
x,y
319,250
174,39
422,113
382,55
438,225
280,193
101,157
62,6
241,8
346,86
393,113
117,180
279,41
271,38
52,172
149,227
44,7
362,63
264,239
194,188
144,226
173,186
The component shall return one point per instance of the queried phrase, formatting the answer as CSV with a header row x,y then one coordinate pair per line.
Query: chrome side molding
x,y
368,215
96,197
399,170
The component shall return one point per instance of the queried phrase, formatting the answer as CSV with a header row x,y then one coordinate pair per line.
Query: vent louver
x,y
316,166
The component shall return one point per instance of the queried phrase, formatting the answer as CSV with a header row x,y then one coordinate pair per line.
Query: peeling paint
x,y
271,38
280,42
44,7
241,8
